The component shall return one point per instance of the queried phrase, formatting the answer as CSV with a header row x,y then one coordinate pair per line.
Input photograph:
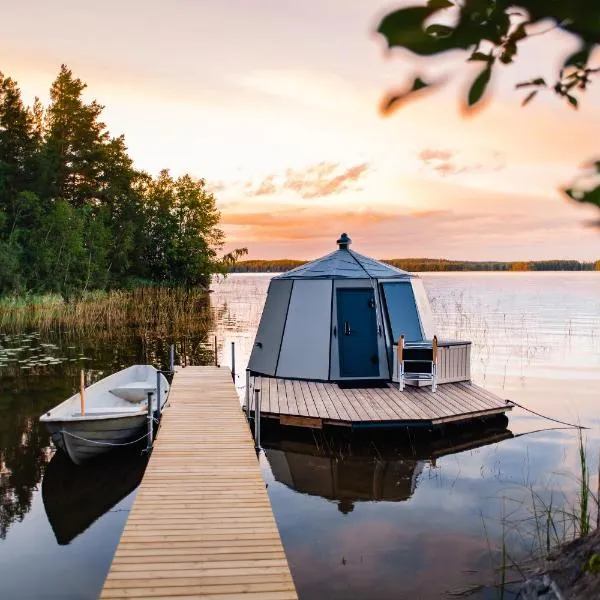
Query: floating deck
x,y
201,525
314,404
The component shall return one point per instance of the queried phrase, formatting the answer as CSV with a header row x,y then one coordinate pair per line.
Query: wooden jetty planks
x,y
201,525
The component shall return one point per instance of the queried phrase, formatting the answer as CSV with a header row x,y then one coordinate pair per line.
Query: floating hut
x,y
349,340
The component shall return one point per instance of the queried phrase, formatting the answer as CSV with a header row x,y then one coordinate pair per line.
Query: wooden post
x,y
82,392
158,396
149,417
233,361
247,395
172,358
216,353
257,418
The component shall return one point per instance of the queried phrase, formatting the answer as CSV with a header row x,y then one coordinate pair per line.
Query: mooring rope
x,y
99,443
546,416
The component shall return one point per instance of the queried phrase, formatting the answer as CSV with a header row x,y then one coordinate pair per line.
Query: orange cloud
x,y
322,180
316,181
452,162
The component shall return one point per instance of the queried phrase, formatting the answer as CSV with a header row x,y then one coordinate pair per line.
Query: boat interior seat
x,y
135,391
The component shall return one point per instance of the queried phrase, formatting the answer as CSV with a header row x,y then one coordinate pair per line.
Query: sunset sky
x,y
275,104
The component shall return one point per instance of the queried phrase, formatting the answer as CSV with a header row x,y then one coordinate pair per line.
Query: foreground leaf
x,y
529,97
479,86
395,100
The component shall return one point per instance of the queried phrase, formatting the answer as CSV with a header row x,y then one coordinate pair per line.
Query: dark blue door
x,y
357,332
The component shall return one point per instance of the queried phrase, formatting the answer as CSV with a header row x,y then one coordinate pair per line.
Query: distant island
x,y
430,264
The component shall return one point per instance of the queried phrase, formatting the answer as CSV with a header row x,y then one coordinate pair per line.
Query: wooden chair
x,y
417,361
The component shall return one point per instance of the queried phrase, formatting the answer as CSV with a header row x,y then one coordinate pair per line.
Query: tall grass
x,y
538,522
153,309
584,487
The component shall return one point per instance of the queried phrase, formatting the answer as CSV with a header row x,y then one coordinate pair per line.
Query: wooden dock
x,y
315,404
201,525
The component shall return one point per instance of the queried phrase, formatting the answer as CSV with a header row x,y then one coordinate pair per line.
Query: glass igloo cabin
x,y
339,318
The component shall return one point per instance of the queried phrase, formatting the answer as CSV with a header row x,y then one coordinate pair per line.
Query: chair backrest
x,y
418,357
401,349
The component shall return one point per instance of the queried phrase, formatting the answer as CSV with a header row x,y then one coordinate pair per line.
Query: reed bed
x,y
162,311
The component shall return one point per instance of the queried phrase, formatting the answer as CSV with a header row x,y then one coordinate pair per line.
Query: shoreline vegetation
x,y
429,264
155,310
76,216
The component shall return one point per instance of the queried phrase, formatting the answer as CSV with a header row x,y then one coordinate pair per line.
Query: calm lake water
x,y
360,517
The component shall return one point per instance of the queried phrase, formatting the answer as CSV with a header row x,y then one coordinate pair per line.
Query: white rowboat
x,y
114,413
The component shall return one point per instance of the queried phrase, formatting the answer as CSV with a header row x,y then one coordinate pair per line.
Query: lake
x,y
361,517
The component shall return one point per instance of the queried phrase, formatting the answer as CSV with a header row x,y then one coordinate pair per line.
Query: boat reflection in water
x,y
76,496
357,466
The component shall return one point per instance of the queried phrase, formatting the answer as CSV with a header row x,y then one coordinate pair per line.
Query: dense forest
x,y
430,264
75,215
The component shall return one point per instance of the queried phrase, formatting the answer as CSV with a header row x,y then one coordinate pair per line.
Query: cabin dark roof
x,y
345,264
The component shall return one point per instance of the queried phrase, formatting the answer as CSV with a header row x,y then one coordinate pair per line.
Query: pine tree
x,y
74,143
17,146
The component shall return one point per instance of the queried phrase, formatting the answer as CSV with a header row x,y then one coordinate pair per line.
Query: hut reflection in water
x,y
359,466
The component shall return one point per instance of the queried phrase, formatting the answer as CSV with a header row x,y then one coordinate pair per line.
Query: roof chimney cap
x,y
344,241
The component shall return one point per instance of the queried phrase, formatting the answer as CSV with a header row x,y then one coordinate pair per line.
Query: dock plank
x,y
218,539
454,401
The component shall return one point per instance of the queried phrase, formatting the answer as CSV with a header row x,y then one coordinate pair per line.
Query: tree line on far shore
x,y
430,264
75,214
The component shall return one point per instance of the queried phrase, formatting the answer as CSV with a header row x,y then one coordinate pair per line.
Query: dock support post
x,y
247,394
172,358
257,418
216,360
149,417
158,396
233,361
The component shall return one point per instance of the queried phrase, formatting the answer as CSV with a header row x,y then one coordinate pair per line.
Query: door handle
x,y
347,330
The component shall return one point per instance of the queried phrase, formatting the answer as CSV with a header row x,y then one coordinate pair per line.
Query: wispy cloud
x,y
452,162
315,181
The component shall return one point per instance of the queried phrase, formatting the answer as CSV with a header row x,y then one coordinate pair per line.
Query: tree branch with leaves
x,y
492,32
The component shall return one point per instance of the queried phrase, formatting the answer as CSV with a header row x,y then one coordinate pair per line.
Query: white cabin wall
x,y
305,348
263,358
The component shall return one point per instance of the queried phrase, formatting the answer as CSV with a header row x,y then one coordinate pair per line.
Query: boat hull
x,y
82,440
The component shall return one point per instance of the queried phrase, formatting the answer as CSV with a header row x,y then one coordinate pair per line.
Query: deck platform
x,y
201,525
315,404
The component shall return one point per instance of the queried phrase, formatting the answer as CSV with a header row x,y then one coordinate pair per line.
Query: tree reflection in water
x,y
30,385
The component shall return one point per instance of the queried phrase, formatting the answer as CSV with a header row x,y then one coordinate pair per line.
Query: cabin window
x,y
425,315
403,318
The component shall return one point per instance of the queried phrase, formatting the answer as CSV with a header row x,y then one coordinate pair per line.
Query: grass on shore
x,y
155,309
535,525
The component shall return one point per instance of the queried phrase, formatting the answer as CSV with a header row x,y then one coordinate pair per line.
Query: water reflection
x,y
76,496
349,467
23,452
39,370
